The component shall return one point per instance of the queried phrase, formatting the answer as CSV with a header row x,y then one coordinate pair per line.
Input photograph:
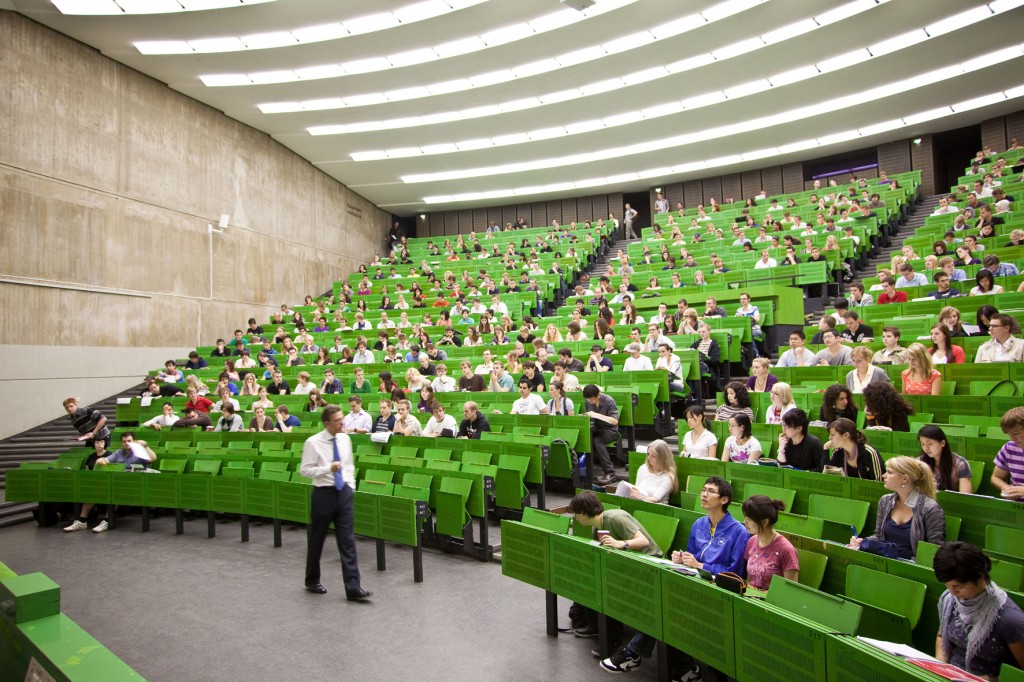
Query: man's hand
x,y
1013,491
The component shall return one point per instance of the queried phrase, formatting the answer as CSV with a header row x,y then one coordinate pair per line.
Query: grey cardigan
x,y
877,375
928,524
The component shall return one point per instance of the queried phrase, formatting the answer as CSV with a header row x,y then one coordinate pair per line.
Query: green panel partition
x,y
525,552
688,600
794,651
227,494
809,483
977,512
259,497
129,490
195,492
576,569
60,485
94,486
161,490
632,591
70,653
398,521
24,485
850,660
364,510
292,500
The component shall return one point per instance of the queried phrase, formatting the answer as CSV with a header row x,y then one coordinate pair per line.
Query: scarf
x,y
978,616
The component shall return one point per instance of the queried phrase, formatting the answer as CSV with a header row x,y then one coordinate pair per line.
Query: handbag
x,y
731,582
879,547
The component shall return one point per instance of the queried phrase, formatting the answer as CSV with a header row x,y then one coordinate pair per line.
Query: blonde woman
x,y
691,322
656,478
513,363
920,377
782,402
897,261
415,381
908,253
909,514
831,244
260,421
249,385
264,401
863,372
552,335
193,381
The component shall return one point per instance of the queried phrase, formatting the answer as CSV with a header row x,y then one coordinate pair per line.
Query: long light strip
x,y
651,74
452,48
760,123
578,56
403,16
712,164
122,7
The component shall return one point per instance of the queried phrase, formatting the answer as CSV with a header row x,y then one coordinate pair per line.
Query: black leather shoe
x,y
361,595
316,589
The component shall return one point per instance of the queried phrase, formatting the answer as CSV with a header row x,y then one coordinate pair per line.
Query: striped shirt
x,y
1011,458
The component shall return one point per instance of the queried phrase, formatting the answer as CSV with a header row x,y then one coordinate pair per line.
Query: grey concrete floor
x,y
193,608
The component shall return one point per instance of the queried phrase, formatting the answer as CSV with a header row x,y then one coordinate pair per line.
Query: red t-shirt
x,y
897,297
201,403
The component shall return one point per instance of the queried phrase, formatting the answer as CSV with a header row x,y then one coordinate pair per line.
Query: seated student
x,y
357,420
1008,476
193,419
278,386
797,355
166,418
863,372
883,406
717,543
950,470
699,441
225,399
1002,346
891,352
741,446
980,628
260,420
941,279
195,362
528,401
851,452
656,478
796,448
229,421
624,533
782,402
767,553
858,298
920,377
470,380
406,423
836,403
760,381
909,514
330,384
834,353
439,423
283,421
889,293
264,400
856,331
127,457
533,375
559,405
826,323
737,401
221,351
942,350
171,374
474,422
909,278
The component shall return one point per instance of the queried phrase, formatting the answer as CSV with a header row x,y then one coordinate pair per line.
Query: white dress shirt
x,y
318,455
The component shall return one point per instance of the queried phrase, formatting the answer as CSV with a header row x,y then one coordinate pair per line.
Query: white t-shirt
x,y
637,364
532,404
563,406
702,446
443,384
435,427
654,485
741,453
303,390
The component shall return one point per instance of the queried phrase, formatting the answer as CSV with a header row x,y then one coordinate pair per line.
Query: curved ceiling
x,y
442,104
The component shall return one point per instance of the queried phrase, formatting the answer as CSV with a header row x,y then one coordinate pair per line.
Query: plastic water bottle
x,y
582,464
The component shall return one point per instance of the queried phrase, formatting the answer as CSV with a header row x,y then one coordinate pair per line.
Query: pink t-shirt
x,y
919,387
764,562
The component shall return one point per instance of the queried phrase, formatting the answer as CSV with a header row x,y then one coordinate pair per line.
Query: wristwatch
x,y
625,544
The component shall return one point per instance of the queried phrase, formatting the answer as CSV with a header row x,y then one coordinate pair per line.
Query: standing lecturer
x,y
327,459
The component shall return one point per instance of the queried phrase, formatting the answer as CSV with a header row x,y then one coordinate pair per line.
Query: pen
x,y
854,529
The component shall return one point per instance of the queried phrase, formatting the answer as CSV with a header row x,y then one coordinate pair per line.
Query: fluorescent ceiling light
x,y
729,8
678,26
929,115
507,34
515,138
227,79
217,44
365,99
403,152
659,110
479,143
690,63
480,112
412,57
440,117
689,167
844,60
584,126
584,54
406,93
534,68
163,46
371,22
725,160
445,148
797,146
264,77
789,32
519,104
366,65
87,7
745,89
622,119
651,74
280,107
444,87
491,78
320,33
628,42
377,155
561,96
149,6
1000,6
259,41
760,154
318,72
734,49
455,48
796,75
421,10
555,20
978,102
898,42
844,12
322,104
546,133
366,126
883,127
957,21
589,182
601,86
837,138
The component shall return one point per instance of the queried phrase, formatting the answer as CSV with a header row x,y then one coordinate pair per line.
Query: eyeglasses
x,y
995,326
708,491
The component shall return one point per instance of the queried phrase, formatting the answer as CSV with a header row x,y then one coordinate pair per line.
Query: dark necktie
x,y
339,481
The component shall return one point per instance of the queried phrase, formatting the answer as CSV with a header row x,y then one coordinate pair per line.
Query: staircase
x,y
43,443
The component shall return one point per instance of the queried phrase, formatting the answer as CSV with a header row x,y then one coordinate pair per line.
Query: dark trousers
x,y
599,441
329,504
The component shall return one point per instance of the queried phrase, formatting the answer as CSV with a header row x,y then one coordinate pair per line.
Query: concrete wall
x,y
108,180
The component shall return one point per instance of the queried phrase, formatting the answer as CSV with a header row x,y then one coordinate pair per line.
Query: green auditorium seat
x,y
787,496
812,568
660,527
544,519
892,605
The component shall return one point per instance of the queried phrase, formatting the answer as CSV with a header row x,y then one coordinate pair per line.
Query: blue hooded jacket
x,y
723,552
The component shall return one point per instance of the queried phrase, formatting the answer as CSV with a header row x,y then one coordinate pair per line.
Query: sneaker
x,y
585,632
622,661
692,675
101,527
77,525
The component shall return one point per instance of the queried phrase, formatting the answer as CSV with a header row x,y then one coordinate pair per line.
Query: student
x,y
699,441
909,514
851,452
980,628
920,377
883,406
837,403
767,553
741,446
951,471
474,422
656,478
737,401
1008,476
796,448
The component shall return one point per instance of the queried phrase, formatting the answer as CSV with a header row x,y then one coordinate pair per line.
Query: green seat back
x,y
241,464
546,520
403,451
888,596
299,478
407,461
773,492
431,454
273,466
832,612
485,469
413,492
952,528
206,466
847,512
660,527
240,445
1004,540
378,476
526,430
171,466
812,567
275,475
368,449
446,465
417,480
475,457
376,487
238,472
